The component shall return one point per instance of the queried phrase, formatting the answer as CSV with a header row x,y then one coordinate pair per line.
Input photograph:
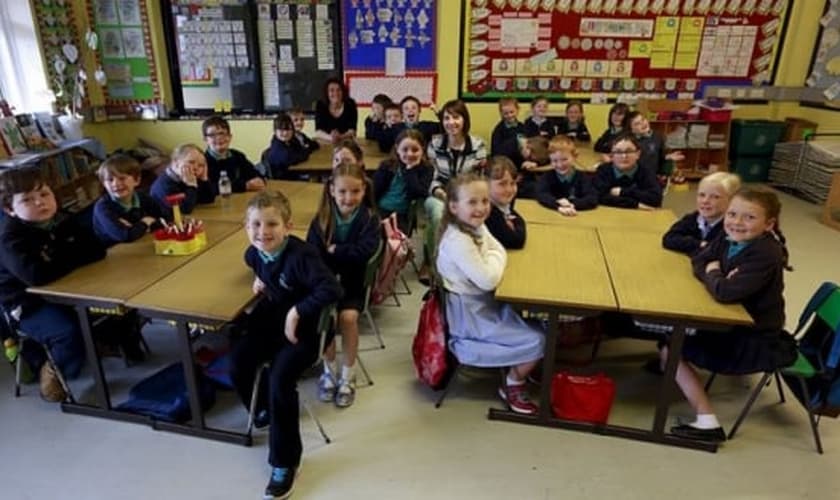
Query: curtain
x,y
22,81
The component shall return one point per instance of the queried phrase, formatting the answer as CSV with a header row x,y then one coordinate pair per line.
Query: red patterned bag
x,y
582,398
429,346
394,258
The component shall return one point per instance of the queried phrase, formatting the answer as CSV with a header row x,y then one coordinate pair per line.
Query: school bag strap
x,y
813,304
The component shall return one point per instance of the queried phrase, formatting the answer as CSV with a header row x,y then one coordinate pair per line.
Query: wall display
x,y
364,86
59,42
825,62
568,47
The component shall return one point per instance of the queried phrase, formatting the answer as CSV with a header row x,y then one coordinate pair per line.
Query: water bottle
x,y
225,188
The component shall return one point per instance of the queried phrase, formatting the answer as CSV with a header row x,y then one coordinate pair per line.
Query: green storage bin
x,y
752,168
755,137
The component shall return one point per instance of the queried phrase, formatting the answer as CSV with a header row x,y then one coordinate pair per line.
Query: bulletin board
x,y
825,62
60,47
125,52
571,48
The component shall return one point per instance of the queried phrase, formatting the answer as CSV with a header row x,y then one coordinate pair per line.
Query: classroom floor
x,y
393,443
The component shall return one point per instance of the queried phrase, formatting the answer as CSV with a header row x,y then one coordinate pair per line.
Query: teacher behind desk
x,y
336,114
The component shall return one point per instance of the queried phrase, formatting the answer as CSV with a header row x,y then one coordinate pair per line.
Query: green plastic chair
x,y
372,267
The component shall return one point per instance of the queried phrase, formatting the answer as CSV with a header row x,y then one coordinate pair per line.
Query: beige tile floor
x,y
393,444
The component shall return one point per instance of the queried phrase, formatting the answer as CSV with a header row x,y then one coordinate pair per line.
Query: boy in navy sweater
x,y
222,158
391,129
624,183
296,285
38,246
123,214
565,189
376,121
509,127
187,173
285,150
299,120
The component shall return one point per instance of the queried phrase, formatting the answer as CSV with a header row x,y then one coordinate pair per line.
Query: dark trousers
x,y
266,341
56,328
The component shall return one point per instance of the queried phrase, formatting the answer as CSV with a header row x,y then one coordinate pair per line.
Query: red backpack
x,y
394,258
429,347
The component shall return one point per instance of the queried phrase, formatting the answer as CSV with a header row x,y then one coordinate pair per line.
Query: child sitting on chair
x,y
624,183
187,173
565,190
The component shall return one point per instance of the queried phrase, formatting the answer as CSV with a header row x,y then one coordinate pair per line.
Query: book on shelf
x,y
33,137
46,123
12,136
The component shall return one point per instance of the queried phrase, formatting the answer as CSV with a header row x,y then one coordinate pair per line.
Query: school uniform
x,y
168,183
546,127
282,155
575,187
482,331
237,166
294,277
395,187
652,152
37,254
690,231
577,131
504,132
308,143
604,143
386,137
109,216
373,129
355,243
638,185
758,285
497,225
526,181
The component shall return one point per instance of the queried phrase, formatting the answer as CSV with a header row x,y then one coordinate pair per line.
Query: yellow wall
x,y
252,136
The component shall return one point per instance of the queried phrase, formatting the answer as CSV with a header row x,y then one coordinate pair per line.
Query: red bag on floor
x,y
429,347
582,398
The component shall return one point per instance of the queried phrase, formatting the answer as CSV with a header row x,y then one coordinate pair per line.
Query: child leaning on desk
x,y
470,262
186,174
295,285
624,182
744,265
565,190
39,245
123,214
504,223
222,158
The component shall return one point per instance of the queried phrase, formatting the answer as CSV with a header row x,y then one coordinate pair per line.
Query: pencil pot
x,y
585,398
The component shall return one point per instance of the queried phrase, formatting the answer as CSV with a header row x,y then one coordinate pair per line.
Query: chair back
x,y
325,320
371,268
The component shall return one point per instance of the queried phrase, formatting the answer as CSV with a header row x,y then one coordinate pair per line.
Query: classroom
x,y
601,338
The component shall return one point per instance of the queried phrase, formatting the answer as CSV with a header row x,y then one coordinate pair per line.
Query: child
x,y
37,246
574,124
187,173
530,156
539,123
504,223
565,189
376,120
411,108
221,157
285,150
299,120
392,128
623,183
347,233
123,214
470,261
403,178
652,147
509,127
695,230
348,150
295,286
615,125
746,266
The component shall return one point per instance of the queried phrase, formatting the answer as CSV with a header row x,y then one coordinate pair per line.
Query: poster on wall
x,y
825,62
581,47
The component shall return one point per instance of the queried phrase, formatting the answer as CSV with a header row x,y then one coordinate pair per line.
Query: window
x,y
22,81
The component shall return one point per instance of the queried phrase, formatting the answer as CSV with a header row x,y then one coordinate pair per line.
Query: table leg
x,y
190,376
668,379
548,366
103,398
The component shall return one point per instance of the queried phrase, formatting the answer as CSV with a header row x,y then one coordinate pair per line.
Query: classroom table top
x,y
303,196
653,281
549,272
320,161
128,269
587,159
654,220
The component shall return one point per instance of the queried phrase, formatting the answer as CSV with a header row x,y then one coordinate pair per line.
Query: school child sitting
x,y
615,126
470,261
745,266
295,286
530,156
375,122
123,214
38,245
696,229
652,147
392,128
222,158
284,150
624,183
187,173
565,189
573,124
347,233
299,120
348,150
411,109
504,223
403,178
539,123
509,127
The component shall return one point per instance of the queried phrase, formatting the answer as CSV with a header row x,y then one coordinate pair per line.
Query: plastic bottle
x,y
225,188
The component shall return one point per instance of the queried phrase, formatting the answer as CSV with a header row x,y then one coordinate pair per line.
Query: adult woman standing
x,y
336,114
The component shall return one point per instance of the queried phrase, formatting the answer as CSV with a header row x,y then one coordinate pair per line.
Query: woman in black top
x,y
336,114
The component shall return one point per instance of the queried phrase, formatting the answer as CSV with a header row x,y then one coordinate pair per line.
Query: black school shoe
x,y
261,419
715,435
281,484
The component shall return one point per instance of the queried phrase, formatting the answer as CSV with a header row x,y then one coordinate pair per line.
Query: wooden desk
x,y
588,159
303,196
320,161
601,217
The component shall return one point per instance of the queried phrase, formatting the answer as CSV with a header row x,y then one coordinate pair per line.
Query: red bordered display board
x,y
571,47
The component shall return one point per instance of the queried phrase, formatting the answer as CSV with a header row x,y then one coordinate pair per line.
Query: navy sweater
x,y
388,135
417,179
502,134
282,155
109,214
548,128
373,129
652,149
362,242
580,133
308,143
604,143
298,278
579,192
165,185
497,225
684,236
758,284
32,256
238,169
641,187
